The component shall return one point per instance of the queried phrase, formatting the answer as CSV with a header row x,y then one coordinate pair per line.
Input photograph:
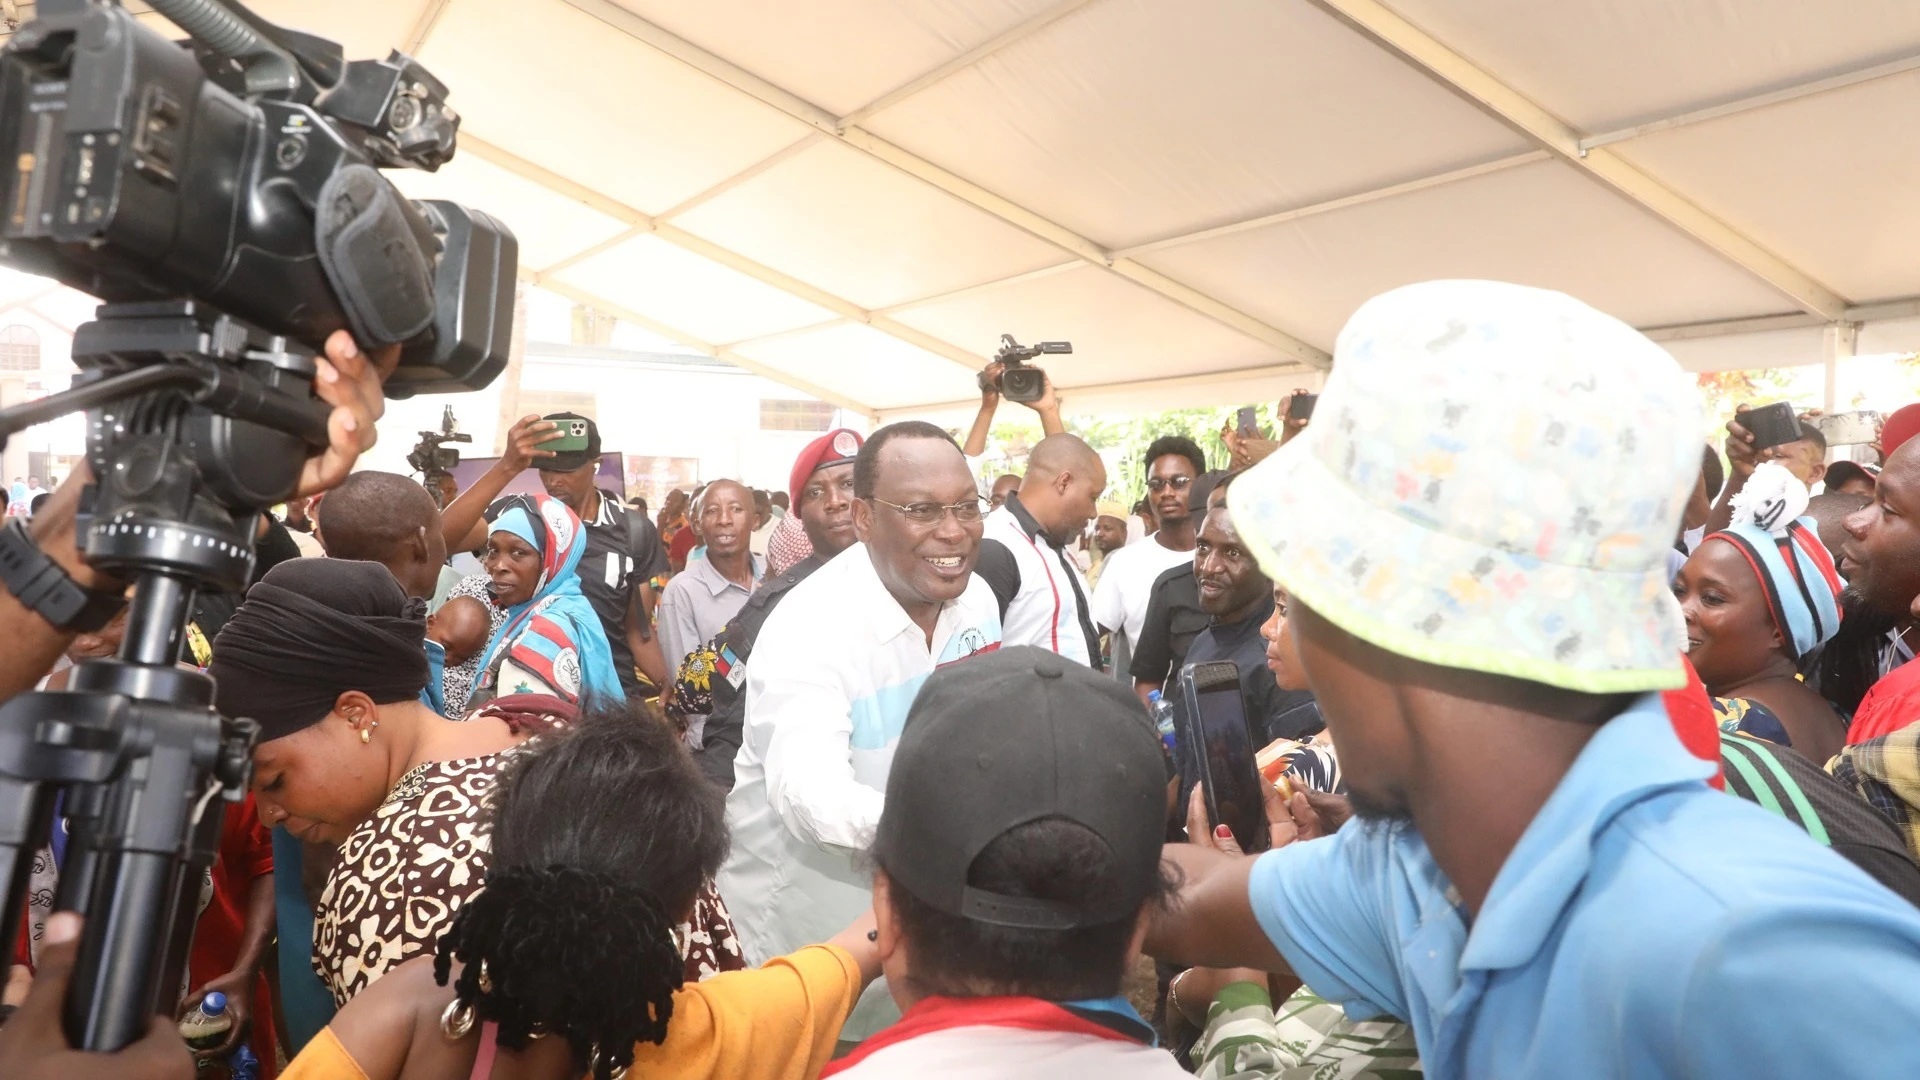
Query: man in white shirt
x,y
1126,581
1024,556
834,670
1016,862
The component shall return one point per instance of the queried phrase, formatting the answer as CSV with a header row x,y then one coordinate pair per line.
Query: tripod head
x,y
197,424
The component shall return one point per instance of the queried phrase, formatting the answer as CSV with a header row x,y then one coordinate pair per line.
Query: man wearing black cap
x,y
624,559
1016,869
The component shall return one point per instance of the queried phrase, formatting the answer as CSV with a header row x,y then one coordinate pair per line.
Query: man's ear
x,y
1818,473
862,519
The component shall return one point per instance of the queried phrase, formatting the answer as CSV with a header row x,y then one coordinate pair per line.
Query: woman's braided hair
x,y
601,839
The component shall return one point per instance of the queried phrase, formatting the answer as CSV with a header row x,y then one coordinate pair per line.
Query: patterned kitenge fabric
x,y
405,871
1307,1038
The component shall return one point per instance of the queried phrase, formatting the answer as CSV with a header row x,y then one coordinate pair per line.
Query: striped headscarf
x,y
555,634
1795,570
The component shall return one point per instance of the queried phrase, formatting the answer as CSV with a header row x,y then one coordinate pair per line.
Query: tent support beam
x,y
642,224
1901,308
738,78
581,296
1757,101
423,27
1428,55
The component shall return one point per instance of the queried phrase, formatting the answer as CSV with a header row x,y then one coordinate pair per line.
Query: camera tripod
x,y
197,424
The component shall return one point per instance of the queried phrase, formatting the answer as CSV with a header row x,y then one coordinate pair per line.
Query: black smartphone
x,y
1223,747
1772,425
1248,423
1300,406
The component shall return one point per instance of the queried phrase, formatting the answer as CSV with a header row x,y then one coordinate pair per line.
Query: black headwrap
x,y
311,630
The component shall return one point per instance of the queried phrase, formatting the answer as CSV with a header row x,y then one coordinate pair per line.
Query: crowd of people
x,y
1584,749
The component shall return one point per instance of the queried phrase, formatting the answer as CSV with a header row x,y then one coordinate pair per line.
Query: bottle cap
x,y
214,1003
1153,697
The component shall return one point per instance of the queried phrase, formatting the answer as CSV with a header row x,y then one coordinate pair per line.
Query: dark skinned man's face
x,y
1231,584
572,487
920,563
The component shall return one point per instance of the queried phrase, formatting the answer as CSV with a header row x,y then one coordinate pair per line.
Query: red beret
x,y
840,444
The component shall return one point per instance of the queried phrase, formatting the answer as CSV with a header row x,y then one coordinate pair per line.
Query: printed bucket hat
x,y
1492,480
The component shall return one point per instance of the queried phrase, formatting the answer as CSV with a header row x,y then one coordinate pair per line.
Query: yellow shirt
x,y
776,1022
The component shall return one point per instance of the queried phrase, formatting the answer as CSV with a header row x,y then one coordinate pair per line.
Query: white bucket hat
x,y
1492,480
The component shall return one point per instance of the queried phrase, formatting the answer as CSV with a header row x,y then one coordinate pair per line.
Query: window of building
x,y
780,415
19,348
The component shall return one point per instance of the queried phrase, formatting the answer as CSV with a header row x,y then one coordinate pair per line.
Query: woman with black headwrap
x,y
326,655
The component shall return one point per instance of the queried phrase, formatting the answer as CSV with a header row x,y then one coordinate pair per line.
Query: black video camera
x,y
430,457
240,169
1020,382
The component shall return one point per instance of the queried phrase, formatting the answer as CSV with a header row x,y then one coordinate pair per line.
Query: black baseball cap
x,y
1011,737
569,460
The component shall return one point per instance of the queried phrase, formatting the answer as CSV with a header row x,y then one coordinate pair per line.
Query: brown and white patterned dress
x,y
406,870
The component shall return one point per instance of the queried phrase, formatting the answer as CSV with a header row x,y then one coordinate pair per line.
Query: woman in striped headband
x,y
1758,596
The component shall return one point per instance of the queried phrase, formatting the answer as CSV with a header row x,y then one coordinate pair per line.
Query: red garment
x,y
1891,704
1691,713
682,546
246,853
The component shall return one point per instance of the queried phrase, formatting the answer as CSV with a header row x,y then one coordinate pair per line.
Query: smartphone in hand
x,y
1224,749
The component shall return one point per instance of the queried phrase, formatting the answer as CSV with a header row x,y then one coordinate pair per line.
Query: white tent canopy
x,y
857,197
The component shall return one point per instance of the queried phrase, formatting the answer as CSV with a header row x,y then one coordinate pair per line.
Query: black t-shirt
x,y
1273,713
623,550
1174,618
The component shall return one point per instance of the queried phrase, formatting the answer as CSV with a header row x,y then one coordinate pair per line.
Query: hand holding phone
x,y
1216,714
1772,425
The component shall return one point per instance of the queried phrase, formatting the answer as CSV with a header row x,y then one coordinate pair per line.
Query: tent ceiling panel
x,y
680,289
839,54
366,29
1768,349
859,362
1603,64
559,87
842,221
1830,182
549,226
1120,332
1890,336
1541,224
1131,121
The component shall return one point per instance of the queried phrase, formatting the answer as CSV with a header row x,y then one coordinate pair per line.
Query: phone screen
x,y
1228,772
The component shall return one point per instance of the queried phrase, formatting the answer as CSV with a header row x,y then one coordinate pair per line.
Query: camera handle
x,y
198,423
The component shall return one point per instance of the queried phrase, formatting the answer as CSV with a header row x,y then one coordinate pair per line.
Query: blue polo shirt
x,y
1645,926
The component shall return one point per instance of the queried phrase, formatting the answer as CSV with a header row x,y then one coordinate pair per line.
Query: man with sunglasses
x,y
1126,584
834,669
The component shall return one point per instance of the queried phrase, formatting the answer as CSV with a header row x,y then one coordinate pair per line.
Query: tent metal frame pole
x,y
1427,54
718,352
1757,101
746,82
642,224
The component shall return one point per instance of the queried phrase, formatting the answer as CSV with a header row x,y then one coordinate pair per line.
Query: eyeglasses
x,y
1177,483
966,511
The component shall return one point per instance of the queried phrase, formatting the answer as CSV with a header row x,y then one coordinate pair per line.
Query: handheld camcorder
x,y
1018,382
431,457
222,196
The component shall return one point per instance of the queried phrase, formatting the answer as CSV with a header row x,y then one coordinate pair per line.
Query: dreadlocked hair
x,y
570,952
601,839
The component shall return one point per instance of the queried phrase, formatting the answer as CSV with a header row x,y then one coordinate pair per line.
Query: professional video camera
x,y
222,196
1020,382
430,457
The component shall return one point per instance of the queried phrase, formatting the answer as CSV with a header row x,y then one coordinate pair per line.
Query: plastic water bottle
x,y
1162,711
206,1026
242,1064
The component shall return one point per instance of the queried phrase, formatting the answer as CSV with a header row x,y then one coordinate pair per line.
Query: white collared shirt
x,y
834,670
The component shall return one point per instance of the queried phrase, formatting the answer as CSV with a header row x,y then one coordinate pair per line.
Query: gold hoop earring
x,y
456,1020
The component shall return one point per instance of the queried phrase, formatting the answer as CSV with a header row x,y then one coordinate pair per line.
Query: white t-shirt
x,y
1126,583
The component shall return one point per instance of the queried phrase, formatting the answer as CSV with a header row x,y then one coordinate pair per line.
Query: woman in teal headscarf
x,y
552,641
